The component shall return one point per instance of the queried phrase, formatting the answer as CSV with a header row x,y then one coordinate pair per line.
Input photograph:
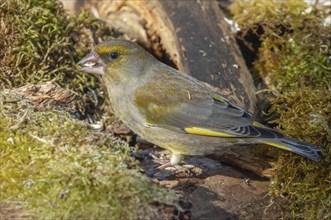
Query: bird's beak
x,y
91,63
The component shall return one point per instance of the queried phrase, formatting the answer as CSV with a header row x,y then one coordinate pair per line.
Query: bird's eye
x,y
114,55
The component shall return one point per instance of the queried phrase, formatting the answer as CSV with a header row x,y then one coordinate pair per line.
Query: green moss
x,y
61,170
40,42
250,14
305,115
50,163
297,60
293,62
295,44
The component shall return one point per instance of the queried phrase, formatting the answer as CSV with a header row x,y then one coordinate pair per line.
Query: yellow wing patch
x,y
259,125
207,132
277,145
218,98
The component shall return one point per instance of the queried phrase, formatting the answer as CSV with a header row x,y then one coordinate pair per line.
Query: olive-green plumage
x,y
176,111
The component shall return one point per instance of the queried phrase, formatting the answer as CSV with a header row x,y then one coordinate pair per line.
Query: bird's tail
x,y
307,150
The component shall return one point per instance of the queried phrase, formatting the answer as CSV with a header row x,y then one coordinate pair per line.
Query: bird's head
x,y
116,60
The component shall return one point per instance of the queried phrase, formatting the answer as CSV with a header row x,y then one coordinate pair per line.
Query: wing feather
x,y
186,105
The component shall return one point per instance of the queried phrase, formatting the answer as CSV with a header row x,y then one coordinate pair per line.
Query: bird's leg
x,y
158,160
163,166
175,160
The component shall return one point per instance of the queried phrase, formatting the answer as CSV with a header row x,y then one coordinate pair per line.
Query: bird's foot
x,y
167,169
164,165
159,160
174,161
160,168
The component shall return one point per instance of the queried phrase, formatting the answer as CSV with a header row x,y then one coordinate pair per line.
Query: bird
x,y
174,110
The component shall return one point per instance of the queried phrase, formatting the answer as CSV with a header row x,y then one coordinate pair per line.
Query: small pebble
x,y
163,174
169,183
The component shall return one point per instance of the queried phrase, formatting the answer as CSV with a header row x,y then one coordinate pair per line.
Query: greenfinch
x,y
174,110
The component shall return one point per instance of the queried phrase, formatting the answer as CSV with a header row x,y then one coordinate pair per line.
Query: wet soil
x,y
211,189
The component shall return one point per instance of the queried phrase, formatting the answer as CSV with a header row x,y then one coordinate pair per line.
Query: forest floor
x,y
213,190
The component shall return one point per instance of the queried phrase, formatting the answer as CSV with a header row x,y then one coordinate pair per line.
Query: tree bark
x,y
208,51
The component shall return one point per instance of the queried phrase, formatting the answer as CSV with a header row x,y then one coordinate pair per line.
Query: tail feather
x,y
307,150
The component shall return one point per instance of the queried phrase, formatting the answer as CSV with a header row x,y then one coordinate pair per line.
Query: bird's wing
x,y
190,107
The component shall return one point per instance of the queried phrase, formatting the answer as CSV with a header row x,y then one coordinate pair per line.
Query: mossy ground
x,y
51,163
60,169
293,62
57,168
